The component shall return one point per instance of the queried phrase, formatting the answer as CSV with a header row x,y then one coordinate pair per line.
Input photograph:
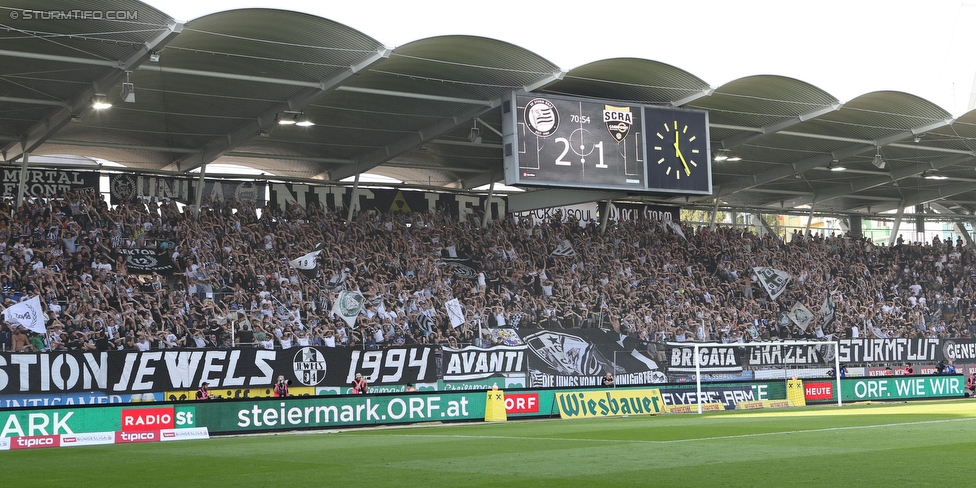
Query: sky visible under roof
x,y
848,48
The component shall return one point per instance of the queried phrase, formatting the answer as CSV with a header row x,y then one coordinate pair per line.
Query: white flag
x,y
676,229
455,312
306,264
827,309
801,315
348,305
773,280
27,314
565,249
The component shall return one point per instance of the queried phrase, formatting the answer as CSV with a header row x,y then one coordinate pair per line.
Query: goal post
x,y
813,359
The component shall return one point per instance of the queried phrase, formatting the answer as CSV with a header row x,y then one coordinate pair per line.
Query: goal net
x,y
762,361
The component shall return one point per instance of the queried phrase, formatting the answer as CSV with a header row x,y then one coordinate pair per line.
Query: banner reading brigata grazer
x,y
762,354
156,371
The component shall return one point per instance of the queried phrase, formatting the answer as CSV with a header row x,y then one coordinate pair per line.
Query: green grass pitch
x,y
913,444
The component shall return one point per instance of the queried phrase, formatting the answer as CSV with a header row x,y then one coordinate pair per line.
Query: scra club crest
x,y
619,120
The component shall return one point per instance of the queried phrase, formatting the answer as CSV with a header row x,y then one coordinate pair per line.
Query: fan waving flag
x,y
27,314
565,248
801,315
676,229
455,312
827,309
307,264
773,280
348,306
463,267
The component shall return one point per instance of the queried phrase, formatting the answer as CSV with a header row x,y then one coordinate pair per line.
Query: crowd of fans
x,y
234,286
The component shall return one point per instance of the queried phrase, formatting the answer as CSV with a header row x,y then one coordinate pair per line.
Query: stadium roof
x,y
211,90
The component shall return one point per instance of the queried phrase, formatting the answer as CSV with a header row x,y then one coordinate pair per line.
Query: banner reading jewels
x,y
118,372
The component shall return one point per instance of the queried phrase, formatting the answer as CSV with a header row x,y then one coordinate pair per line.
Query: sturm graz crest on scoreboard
x,y
541,117
309,366
619,120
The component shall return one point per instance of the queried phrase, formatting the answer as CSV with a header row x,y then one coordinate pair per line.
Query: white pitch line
x,y
673,441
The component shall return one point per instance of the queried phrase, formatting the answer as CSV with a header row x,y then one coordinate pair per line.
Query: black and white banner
x,y
581,357
118,372
145,261
768,354
476,363
125,188
959,350
890,350
735,357
681,358
48,182
387,201
758,355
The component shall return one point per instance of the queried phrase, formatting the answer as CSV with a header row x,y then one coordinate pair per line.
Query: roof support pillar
x,y
897,223
605,217
806,231
763,226
198,198
711,225
491,193
354,198
961,230
22,184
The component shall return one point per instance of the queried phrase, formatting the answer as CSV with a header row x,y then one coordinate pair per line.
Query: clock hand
x,y
677,151
684,163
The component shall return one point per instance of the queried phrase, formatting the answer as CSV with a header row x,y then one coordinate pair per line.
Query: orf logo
x,y
143,419
309,366
522,403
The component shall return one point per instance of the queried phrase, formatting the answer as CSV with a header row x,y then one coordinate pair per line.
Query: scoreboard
x,y
576,143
